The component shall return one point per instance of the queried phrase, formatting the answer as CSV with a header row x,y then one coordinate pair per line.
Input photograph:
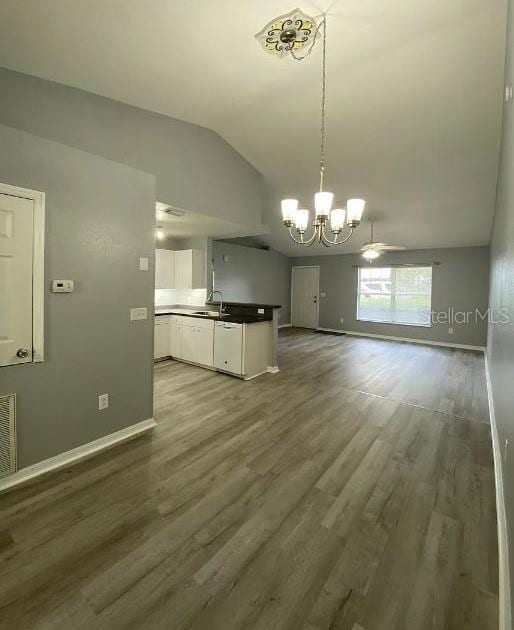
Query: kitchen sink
x,y
208,313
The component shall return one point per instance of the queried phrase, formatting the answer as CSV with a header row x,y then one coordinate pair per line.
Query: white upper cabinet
x,y
164,269
182,269
189,269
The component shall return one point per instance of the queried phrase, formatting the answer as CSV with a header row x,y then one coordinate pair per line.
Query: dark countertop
x,y
236,318
248,304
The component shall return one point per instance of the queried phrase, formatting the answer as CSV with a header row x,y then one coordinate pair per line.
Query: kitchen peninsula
x,y
240,339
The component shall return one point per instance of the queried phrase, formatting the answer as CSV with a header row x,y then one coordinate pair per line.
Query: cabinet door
x,y
164,269
183,269
205,346
175,341
161,339
188,343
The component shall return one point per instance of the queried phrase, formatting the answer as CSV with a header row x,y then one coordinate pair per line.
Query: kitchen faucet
x,y
211,296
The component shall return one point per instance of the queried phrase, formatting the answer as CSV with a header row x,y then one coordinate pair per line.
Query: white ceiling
x,y
192,224
414,95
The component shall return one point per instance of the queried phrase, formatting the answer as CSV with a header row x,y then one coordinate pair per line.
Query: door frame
x,y
292,286
38,266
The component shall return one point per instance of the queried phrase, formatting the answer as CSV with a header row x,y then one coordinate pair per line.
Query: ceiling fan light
x,y
302,220
371,254
355,208
323,203
337,217
289,210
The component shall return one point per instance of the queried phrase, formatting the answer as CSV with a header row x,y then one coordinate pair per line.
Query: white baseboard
x,y
503,542
75,455
424,342
284,326
270,370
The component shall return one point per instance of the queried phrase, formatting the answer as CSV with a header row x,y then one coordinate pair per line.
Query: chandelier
x,y
290,34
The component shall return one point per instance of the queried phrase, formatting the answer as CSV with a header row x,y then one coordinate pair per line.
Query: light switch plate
x,y
143,263
138,313
103,402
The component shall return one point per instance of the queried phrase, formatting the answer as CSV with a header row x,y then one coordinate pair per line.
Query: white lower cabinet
x,y
192,339
205,346
161,347
176,337
244,350
228,347
188,343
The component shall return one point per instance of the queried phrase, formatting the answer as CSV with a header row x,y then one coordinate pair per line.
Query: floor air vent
x,y
7,435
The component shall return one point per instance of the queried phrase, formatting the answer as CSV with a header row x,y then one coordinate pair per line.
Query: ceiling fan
x,y
372,249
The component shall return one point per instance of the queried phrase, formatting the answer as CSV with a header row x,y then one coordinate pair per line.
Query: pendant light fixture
x,y
292,33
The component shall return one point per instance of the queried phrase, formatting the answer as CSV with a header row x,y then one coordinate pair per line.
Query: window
x,y
395,295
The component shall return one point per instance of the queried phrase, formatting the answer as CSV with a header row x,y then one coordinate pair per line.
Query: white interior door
x,y
305,297
16,264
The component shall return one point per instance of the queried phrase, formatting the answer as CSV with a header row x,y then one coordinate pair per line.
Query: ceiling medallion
x,y
288,33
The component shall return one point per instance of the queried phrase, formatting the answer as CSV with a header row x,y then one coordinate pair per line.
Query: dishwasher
x,y
228,347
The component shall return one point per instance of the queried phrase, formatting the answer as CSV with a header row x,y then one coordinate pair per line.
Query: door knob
x,y
22,353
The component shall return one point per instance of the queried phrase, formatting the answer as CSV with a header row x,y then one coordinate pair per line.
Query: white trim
x,y
292,284
75,455
249,378
269,370
284,326
503,542
423,342
38,266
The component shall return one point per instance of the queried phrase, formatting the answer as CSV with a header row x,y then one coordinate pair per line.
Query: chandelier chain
x,y
323,105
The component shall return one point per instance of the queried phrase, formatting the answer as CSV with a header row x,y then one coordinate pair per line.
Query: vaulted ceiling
x,y
414,96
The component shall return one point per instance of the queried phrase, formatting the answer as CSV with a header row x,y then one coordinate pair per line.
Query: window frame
x,y
393,268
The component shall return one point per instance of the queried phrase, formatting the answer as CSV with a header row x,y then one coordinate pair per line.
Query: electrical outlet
x,y
143,263
450,331
103,402
323,294
342,320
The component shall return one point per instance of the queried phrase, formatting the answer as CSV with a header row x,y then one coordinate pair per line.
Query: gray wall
x,y
461,282
99,220
194,167
500,350
253,275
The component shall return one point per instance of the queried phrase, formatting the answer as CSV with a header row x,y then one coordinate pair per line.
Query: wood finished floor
x,y
313,499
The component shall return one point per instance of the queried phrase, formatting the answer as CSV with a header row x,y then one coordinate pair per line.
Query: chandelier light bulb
x,y
323,203
371,254
289,209
355,208
302,220
337,217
